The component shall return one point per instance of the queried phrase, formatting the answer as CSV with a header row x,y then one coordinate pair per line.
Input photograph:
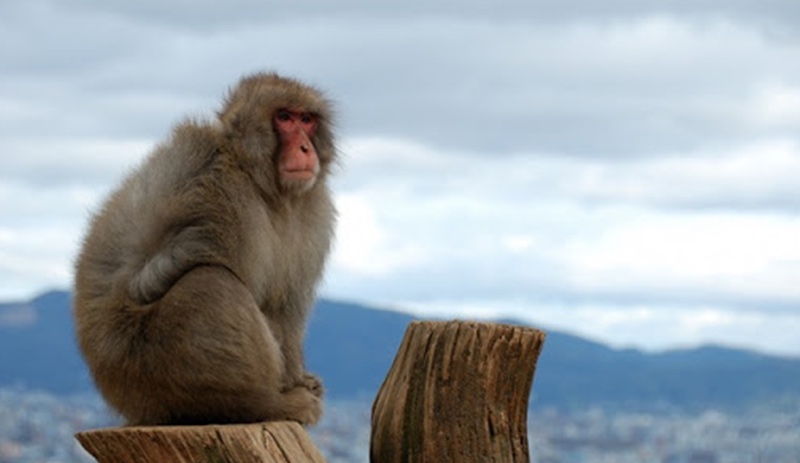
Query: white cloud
x,y
729,256
53,162
362,247
35,257
777,104
514,229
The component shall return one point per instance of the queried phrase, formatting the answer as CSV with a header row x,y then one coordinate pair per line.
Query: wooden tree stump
x,y
284,442
457,392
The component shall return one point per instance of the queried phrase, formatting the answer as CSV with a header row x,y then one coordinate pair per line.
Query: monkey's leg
x,y
213,358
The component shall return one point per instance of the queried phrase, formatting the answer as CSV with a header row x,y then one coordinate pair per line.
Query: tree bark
x,y
457,392
284,442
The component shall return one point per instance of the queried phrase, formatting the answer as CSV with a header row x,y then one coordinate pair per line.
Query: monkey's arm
x,y
191,247
289,326
296,374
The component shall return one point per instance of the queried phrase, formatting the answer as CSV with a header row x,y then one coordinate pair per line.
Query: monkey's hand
x,y
313,383
188,249
306,381
153,281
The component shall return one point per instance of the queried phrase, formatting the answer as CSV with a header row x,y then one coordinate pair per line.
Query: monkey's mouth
x,y
299,174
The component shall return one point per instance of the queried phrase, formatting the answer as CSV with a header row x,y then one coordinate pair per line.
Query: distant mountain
x,y
352,347
37,347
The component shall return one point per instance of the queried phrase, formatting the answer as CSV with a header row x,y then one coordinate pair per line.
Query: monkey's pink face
x,y
298,163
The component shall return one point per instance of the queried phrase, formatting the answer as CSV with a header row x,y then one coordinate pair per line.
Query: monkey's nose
x,y
304,148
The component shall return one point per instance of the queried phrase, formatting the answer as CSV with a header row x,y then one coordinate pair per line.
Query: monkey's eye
x,y
283,115
306,118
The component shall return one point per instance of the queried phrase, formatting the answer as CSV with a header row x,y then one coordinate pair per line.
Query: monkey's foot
x,y
302,406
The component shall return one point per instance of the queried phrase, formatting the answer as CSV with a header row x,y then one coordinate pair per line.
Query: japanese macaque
x,y
195,280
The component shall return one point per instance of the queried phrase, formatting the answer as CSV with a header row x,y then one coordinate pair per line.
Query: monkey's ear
x,y
226,114
231,115
231,118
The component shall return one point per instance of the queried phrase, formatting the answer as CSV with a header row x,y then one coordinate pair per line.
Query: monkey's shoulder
x,y
189,154
177,180
191,148
199,133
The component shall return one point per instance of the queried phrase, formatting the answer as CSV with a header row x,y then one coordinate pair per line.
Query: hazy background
x,y
628,171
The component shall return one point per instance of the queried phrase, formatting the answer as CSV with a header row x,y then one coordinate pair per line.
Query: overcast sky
x,y
624,170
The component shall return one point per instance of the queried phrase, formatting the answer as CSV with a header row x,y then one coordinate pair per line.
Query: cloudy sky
x,y
627,171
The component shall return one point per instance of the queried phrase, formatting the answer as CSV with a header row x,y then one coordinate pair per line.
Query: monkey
x,y
196,277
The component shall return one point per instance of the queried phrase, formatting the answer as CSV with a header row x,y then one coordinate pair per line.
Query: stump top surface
x,y
278,442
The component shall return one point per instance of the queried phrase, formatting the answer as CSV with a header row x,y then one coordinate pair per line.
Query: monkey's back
x,y
136,210
135,220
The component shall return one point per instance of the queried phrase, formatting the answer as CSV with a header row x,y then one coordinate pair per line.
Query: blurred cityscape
x,y
39,427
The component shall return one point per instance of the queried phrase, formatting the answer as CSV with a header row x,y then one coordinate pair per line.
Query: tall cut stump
x,y
457,392
273,442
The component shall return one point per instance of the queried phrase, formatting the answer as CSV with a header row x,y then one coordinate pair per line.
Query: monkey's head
x,y
281,131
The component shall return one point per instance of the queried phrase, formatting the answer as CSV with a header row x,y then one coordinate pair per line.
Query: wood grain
x,y
457,392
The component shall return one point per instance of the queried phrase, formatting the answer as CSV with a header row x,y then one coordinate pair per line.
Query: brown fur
x,y
196,277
